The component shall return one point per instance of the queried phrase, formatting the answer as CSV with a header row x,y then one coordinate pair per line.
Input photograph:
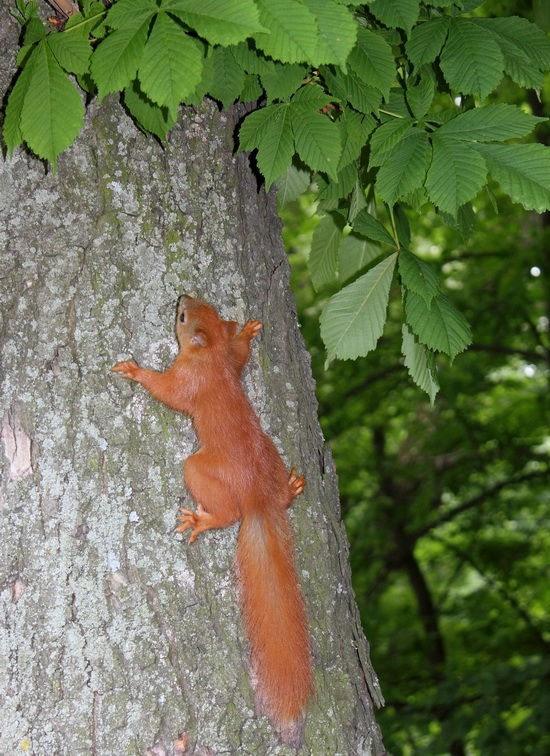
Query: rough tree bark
x,y
115,636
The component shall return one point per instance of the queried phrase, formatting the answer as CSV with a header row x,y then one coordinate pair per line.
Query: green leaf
x,y
150,117
252,89
420,97
397,14
207,78
386,137
464,222
27,11
250,59
84,24
523,172
351,88
323,256
52,113
417,200
72,53
418,276
221,22
86,83
272,135
282,80
417,362
405,169
355,129
171,66
456,174
354,254
366,225
492,123
23,55
471,59
372,60
525,48
276,149
228,81
520,68
357,203
469,5
291,185
127,14
292,31
256,125
426,41
396,106
34,32
353,320
116,59
317,140
402,226
311,96
520,33
341,186
337,31
440,327
11,131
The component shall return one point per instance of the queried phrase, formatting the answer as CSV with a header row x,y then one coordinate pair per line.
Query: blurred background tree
x,y
448,507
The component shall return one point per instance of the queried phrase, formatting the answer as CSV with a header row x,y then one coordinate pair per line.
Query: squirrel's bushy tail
x,y
274,614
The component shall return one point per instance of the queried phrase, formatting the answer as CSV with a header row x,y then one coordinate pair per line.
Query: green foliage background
x,y
448,507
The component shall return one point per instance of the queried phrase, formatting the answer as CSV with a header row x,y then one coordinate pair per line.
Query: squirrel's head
x,y
199,327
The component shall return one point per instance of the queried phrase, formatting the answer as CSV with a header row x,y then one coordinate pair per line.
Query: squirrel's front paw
x,y
252,328
127,369
296,484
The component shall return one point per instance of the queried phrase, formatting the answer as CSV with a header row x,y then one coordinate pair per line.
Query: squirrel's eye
x,y
182,317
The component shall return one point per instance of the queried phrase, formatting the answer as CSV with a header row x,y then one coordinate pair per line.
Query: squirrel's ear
x,y
199,339
230,327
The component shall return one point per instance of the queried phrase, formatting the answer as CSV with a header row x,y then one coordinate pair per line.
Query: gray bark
x,y
116,637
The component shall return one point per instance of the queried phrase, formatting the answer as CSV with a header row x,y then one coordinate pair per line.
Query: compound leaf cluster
x,y
379,105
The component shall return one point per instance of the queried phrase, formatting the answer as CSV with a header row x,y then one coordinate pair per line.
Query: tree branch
x,y
498,349
496,584
479,499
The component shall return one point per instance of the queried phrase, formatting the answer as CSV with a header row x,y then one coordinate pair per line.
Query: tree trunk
x,y
116,637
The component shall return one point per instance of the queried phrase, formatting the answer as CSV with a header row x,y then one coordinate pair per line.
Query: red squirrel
x,y
237,473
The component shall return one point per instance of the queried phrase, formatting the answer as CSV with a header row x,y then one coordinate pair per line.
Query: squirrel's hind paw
x,y
198,522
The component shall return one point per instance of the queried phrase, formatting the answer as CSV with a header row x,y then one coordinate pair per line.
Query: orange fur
x,y
237,473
